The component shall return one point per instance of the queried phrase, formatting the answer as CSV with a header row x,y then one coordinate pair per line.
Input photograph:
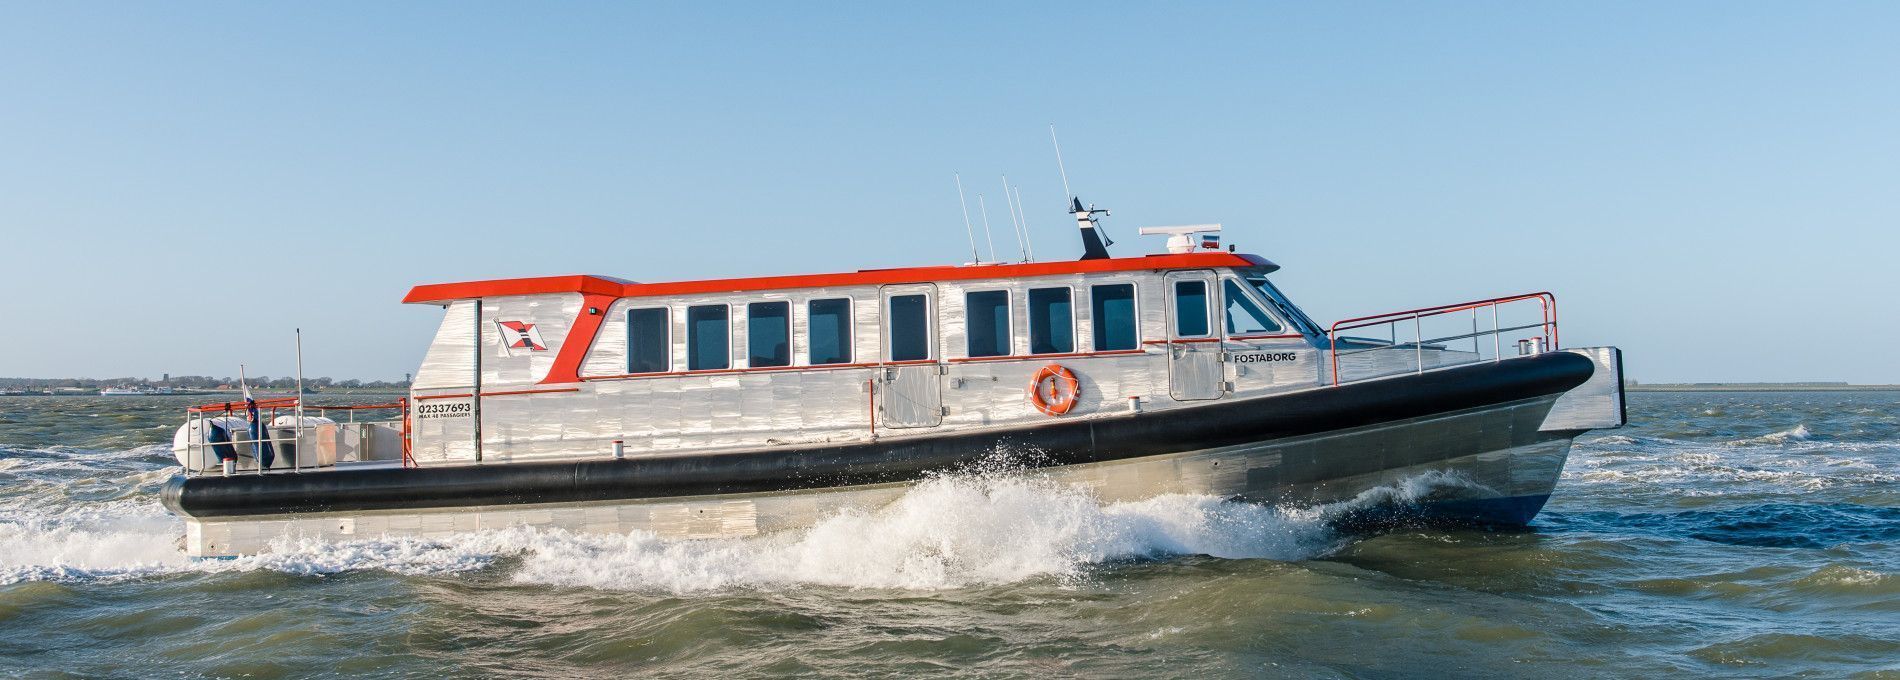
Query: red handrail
x,y
1546,299
273,402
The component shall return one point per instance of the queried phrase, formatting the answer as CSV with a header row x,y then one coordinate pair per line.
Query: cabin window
x,y
909,320
829,331
1051,321
1190,309
988,315
1287,309
1243,316
649,341
768,334
707,338
1113,307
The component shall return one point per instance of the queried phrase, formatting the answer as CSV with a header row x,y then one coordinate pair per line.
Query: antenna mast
x,y
1029,246
985,209
967,230
1094,242
1059,168
1015,225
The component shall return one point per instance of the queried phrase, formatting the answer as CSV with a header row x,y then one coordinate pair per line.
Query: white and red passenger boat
x,y
732,407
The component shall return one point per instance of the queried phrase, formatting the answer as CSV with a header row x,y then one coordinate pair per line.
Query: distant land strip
x,y
1759,387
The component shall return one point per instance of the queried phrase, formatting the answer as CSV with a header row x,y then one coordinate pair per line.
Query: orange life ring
x,y
1054,389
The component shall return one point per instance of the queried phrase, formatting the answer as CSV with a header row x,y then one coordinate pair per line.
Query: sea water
x,y
1733,534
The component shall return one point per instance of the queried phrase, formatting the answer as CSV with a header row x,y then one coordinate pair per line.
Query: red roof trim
x,y
576,283
603,285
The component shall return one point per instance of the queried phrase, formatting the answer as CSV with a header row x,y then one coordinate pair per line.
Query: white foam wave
x,y
946,532
106,542
1798,433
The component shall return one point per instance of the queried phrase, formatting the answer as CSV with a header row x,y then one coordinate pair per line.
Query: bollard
x,y
1134,404
620,449
230,466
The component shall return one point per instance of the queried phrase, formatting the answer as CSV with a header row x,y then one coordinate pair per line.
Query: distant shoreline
x,y
1758,387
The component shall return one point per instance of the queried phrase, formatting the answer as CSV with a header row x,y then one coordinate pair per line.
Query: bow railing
x,y
1531,335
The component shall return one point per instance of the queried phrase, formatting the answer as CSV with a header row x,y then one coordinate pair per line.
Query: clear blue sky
x,y
1713,186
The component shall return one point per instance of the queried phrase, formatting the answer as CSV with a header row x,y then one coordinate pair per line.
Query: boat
x,y
741,406
135,391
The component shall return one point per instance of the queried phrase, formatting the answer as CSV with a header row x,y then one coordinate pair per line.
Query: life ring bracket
x,y
1054,389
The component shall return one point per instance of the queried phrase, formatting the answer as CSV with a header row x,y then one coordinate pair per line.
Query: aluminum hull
x,y
1478,429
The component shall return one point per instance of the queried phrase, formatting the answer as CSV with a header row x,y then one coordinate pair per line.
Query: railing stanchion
x,y
1497,335
1474,333
1418,341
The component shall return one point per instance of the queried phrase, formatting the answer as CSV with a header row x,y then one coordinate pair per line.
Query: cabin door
x,y
1194,348
908,387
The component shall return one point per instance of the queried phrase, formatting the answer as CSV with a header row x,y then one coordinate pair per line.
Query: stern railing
x,y
1415,319
199,447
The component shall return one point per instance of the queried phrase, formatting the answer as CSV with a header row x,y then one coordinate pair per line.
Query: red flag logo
x,y
521,335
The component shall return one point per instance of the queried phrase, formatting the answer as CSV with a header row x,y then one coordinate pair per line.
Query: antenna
x,y
1095,242
1029,246
966,218
986,226
1059,167
1014,226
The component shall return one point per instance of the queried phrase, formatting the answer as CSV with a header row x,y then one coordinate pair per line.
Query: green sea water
x,y
1722,534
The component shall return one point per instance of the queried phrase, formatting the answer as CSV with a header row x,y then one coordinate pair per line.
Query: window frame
x,y
887,350
848,341
1029,311
1301,322
1134,316
1209,325
666,345
726,363
1243,286
1009,323
750,351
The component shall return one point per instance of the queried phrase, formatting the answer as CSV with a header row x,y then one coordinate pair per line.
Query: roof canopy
x,y
436,293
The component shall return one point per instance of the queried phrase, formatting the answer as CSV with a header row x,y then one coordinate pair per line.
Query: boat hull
x,y
1462,444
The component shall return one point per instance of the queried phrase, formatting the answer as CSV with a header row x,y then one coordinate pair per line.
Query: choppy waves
x,y
1719,535
1788,462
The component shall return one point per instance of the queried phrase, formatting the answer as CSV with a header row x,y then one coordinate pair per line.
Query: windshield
x,y
1285,306
1243,317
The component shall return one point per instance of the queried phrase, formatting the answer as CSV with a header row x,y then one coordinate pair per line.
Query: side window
x,y
649,347
1243,316
909,319
829,331
987,313
1190,309
708,344
768,334
1113,308
1051,321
